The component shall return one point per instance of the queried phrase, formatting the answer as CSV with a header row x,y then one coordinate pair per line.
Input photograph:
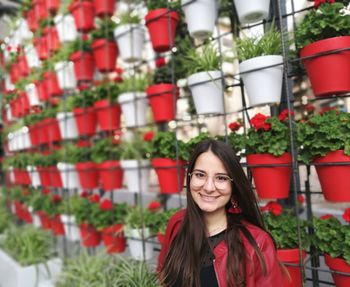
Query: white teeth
x,y
208,198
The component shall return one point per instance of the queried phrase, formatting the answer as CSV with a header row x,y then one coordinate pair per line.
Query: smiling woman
x,y
219,240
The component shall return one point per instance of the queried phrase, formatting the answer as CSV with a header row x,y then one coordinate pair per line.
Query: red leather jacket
x,y
254,273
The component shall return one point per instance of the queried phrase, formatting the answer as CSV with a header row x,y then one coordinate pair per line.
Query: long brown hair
x,y
182,263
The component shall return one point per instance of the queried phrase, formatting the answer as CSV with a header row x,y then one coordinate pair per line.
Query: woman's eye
x,y
199,175
221,178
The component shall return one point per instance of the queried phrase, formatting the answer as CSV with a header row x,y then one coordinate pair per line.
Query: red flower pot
x,y
52,85
89,235
328,74
162,99
42,92
334,180
170,176
84,65
15,72
55,176
83,13
33,24
41,48
111,174
338,264
21,176
39,10
86,121
279,176
42,132
23,102
52,6
105,54
57,226
162,28
34,135
108,115
104,7
44,175
114,239
53,129
23,66
291,256
88,174
52,40
44,220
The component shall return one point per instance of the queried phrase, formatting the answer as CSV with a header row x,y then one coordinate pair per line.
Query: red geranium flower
x,y
301,199
274,207
84,194
309,108
326,216
117,135
56,198
234,126
258,122
95,198
319,2
284,115
46,191
154,206
160,62
346,215
148,136
106,204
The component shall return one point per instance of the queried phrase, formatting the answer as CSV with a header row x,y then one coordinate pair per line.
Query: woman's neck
x,y
215,222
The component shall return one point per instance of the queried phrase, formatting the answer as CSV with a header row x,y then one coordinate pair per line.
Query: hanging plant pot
x,y
279,176
136,245
252,11
31,56
162,99
114,239
340,265
21,176
88,175
67,125
200,17
291,256
65,75
84,65
31,21
207,92
51,84
104,7
32,94
53,129
337,66
105,54
170,175
34,135
42,50
42,132
130,39
55,177
66,29
15,73
51,36
34,176
111,175
134,106
57,225
44,175
108,115
136,174
23,66
263,86
90,237
83,13
71,229
44,220
52,6
161,25
69,175
42,92
40,10
334,180
85,120
23,102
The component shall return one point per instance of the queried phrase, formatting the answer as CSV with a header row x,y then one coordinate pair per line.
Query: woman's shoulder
x,y
176,219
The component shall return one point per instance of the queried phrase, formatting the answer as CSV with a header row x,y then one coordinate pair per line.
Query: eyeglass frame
x,y
191,173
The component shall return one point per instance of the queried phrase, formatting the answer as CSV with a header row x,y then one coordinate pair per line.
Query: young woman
x,y
219,240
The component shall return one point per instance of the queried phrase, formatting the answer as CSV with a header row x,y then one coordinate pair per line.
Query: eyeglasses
x,y
198,179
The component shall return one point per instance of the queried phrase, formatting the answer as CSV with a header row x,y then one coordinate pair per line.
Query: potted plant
x,y
200,17
168,154
35,206
252,11
52,208
86,168
261,68
323,30
104,48
130,37
162,23
47,168
26,258
66,120
109,219
66,28
83,13
323,138
135,163
49,123
68,206
133,100
331,238
205,80
267,143
104,8
106,106
285,228
106,155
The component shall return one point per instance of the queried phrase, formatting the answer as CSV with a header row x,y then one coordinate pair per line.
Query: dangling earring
x,y
234,209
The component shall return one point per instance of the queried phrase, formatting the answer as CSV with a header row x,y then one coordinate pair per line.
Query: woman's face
x,y
210,184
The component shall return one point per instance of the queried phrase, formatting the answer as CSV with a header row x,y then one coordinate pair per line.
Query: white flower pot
x,y
8,113
207,94
136,174
252,11
71,229
136,245
65,28
32,56
69,175
66,75
32,94
23,31
36,220
263,86
23,139
8,84
200,17
67,125
134,106
34,176
15,275
130,39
